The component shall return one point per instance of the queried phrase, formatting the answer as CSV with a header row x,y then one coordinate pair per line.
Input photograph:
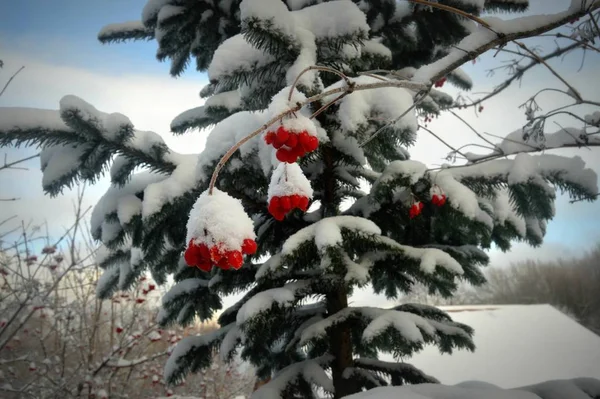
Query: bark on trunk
x,y
340,341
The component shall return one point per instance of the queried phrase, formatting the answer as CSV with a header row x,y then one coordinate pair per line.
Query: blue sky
x,y
56,41
76,24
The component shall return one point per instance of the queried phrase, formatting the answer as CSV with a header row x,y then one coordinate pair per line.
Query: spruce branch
x,y
500,40
587,198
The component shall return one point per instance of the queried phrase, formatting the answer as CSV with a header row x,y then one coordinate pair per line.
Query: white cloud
x,y
150,101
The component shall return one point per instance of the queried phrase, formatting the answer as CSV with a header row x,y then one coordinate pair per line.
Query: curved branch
x,y
451,61
518,75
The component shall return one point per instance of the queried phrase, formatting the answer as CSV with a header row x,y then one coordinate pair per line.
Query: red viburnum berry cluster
x,y
280,206
429,118
203,257
291,145
289,189
438,198
440,83
219,232
415,209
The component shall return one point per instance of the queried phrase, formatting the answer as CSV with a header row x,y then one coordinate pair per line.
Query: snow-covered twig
x,y
120,363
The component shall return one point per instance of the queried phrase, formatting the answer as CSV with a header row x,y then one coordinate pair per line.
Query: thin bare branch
x,y
10,80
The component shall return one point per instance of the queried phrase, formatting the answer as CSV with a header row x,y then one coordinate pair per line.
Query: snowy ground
x,y
516,346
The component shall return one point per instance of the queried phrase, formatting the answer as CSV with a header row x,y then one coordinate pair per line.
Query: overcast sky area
x,y
56,42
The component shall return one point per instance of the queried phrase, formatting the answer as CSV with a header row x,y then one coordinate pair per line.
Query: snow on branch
x,y
400,372
311,371
525,168
411,329
122,363
263,301
78,141
192,354
429,258
328,232
123,31
518,142
181,289
498,33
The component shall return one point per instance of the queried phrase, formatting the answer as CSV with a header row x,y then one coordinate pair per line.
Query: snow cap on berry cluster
x,y
219,219
436,190
288,179
293,123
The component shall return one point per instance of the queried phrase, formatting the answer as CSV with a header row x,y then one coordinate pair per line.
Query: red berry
x,y
203,251
286,204
223,263
275,202
295,200
204,265
235,259
190,256
303,138
303,204
151,287
298,150
119,330
292,140
269,138
284,155
249,246
415,209
282,135
442,200
215,254
278,214
312,144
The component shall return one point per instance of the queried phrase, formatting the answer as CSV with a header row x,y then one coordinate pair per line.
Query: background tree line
x,y
570,285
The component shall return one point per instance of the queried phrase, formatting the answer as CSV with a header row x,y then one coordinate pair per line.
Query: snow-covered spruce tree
x,y
308,138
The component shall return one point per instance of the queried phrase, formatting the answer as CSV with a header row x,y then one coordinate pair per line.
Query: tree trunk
x,y
340,336
340,344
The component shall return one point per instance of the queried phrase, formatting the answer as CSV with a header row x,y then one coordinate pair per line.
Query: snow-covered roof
x,y
517,345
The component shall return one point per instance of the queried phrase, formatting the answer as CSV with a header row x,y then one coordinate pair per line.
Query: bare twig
x,y
10,80
454,150
572,90
11,164
452,10
297,107
316,68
